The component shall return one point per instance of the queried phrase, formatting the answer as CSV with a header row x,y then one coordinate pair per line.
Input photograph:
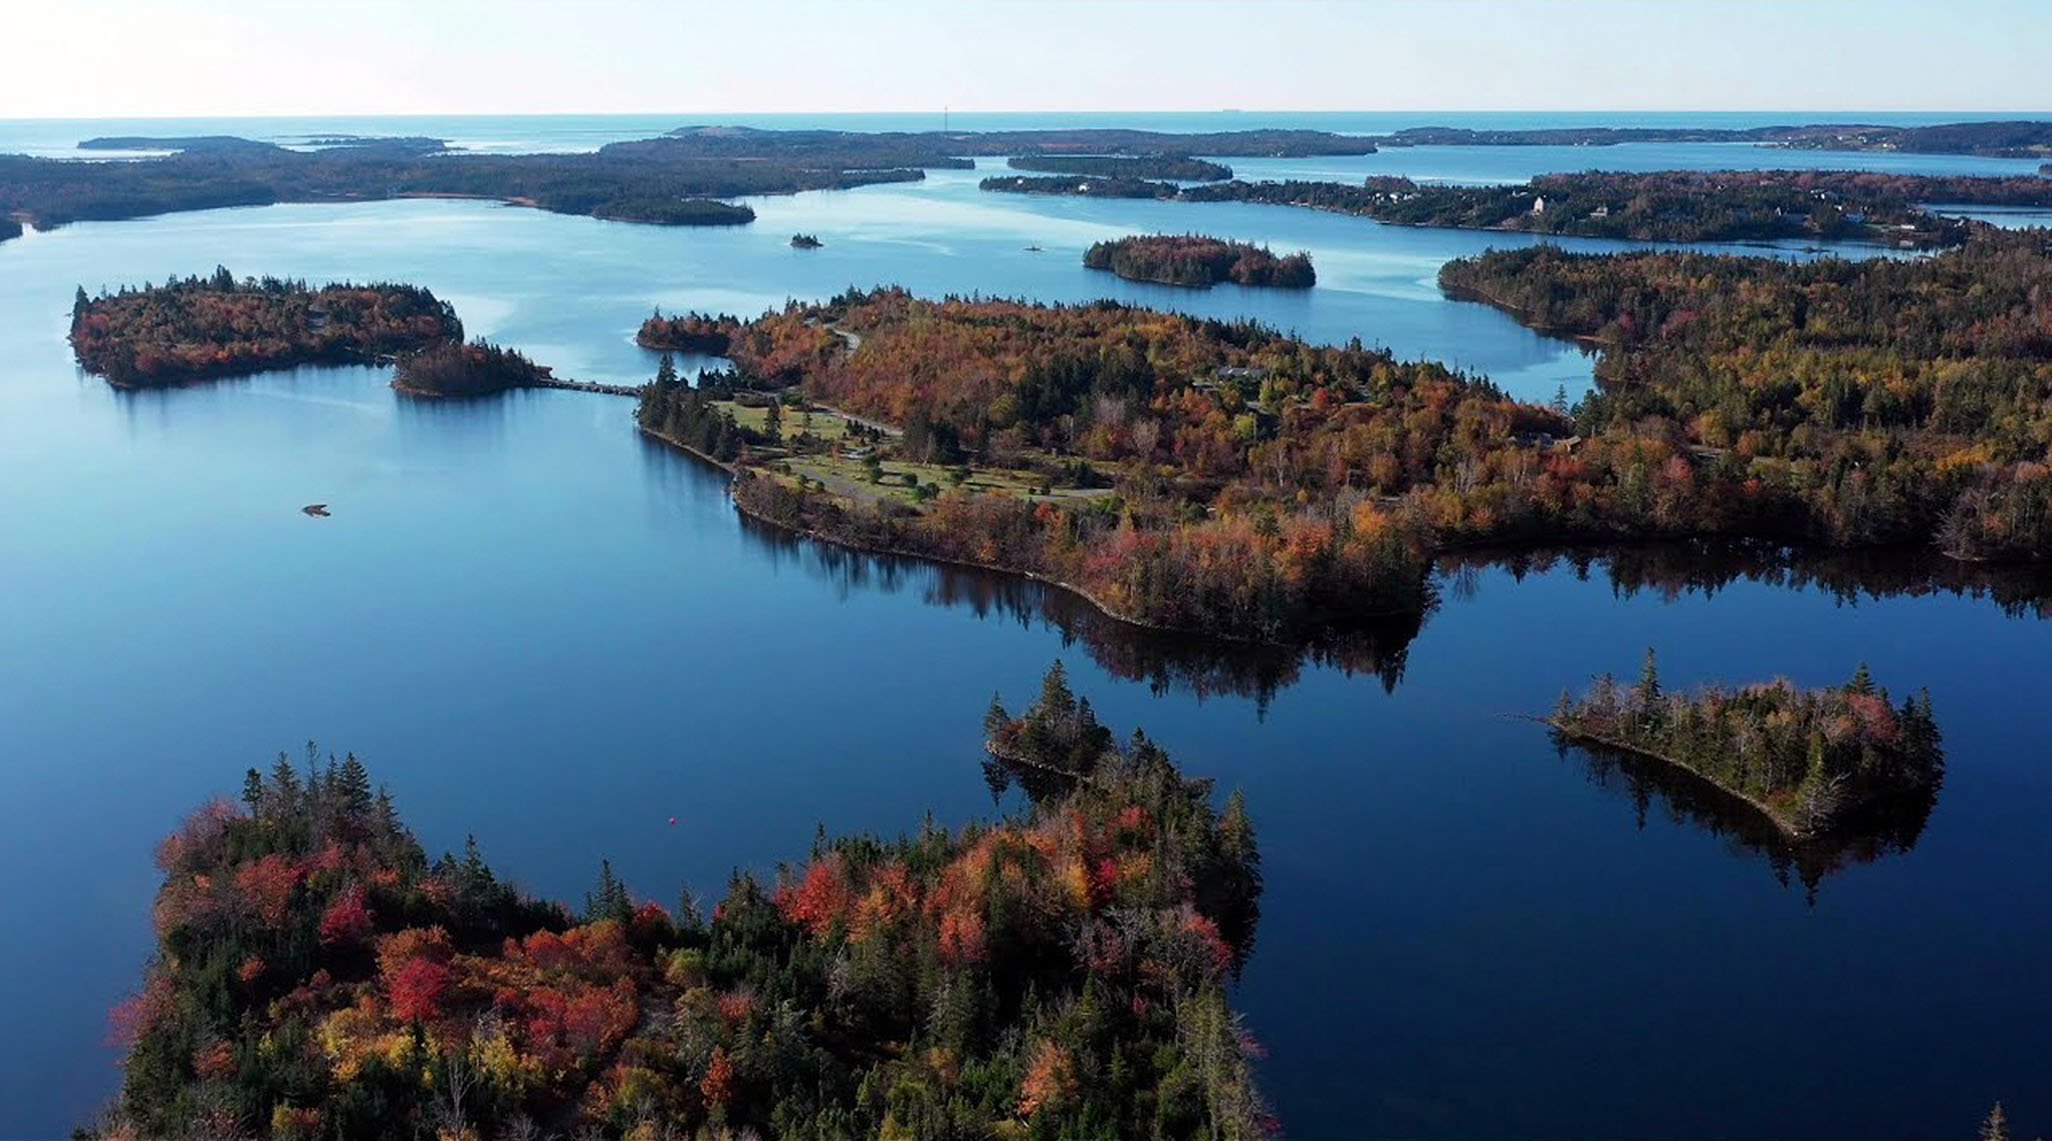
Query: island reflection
x,y
1882,829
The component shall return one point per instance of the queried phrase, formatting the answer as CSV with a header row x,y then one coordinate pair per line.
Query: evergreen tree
x,y
609,900
666,372
1995,1127
352,782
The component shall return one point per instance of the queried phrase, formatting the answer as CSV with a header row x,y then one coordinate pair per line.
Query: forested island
x,y
1808,759
1196,260
1876,401
200,328
1081,185
1057,973
805,241
687,333
1181,168
452,368
1673,206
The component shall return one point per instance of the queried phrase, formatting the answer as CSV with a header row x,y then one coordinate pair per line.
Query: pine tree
x,y
353,783
610,899
666,372
1862,682
286,781
1995,1127
253,791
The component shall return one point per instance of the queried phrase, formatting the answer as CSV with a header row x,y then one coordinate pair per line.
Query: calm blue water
x,y
542,631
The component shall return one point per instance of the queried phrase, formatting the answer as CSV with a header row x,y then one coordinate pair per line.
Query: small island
x,y
688,333
1060,972
201,328
1177,168
1080,186
1810,760
805,242
1196,260
479,368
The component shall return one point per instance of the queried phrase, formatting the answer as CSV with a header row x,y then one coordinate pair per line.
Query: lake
x,y
544,631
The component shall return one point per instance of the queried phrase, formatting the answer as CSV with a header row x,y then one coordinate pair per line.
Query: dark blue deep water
x,y
543,631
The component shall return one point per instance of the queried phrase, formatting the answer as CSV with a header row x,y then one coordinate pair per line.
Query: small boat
x,y
1033,249
318,510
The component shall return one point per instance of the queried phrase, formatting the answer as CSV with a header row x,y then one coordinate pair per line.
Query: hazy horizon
x,y
209,59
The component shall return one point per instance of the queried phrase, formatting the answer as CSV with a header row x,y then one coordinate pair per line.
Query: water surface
x,y
541,630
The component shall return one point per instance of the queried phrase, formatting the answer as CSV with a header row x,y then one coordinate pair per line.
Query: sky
x,y
87,58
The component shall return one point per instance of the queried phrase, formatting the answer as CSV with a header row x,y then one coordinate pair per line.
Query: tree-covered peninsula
x,y
200,328
1672,206
1180,168
2012,139
1227,479
1057,973
1809,759
9,228
1859,402
1181,473
662,190
1197,260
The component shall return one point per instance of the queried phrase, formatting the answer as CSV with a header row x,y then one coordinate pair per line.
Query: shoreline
x,y
735,471
1585,738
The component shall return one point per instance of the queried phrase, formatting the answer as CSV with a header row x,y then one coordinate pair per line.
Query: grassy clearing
x,y
851,477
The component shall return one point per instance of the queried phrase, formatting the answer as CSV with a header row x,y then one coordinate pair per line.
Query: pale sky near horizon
x,y
299,57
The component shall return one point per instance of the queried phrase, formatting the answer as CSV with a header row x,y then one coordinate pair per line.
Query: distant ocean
x,y
512,134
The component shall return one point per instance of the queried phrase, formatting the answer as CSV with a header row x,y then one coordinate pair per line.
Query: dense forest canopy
x,y
1197,260
1181,168
1257,484
214,326
1811,759
1675,206
1057,973
1888,400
